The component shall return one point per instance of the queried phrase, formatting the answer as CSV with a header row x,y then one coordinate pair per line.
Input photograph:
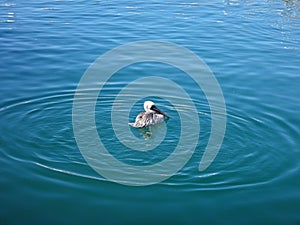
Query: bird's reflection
x,y
153,131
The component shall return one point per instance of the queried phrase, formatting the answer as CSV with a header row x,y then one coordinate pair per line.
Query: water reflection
x,y
152,132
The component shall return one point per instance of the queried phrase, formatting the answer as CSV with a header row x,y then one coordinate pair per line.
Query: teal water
x,y
253,49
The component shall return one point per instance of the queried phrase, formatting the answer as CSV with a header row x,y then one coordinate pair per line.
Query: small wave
x,y
70,172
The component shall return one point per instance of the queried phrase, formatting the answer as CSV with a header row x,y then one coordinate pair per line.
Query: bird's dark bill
x,y
154,108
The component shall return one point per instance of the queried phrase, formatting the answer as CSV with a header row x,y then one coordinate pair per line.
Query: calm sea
x,y
251,47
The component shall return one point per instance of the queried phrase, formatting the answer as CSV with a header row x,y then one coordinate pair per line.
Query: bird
x,y
151,116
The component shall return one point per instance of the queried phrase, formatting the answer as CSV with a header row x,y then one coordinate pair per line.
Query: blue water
x,y
252,48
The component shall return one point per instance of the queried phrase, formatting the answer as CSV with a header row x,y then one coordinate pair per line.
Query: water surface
x,y
253,49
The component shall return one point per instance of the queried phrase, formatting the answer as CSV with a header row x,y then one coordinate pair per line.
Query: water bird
x,y
151,116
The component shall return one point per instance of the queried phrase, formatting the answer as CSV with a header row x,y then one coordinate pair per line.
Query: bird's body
x,y
151,116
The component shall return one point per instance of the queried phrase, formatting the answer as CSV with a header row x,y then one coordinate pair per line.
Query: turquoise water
x,y
253,49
